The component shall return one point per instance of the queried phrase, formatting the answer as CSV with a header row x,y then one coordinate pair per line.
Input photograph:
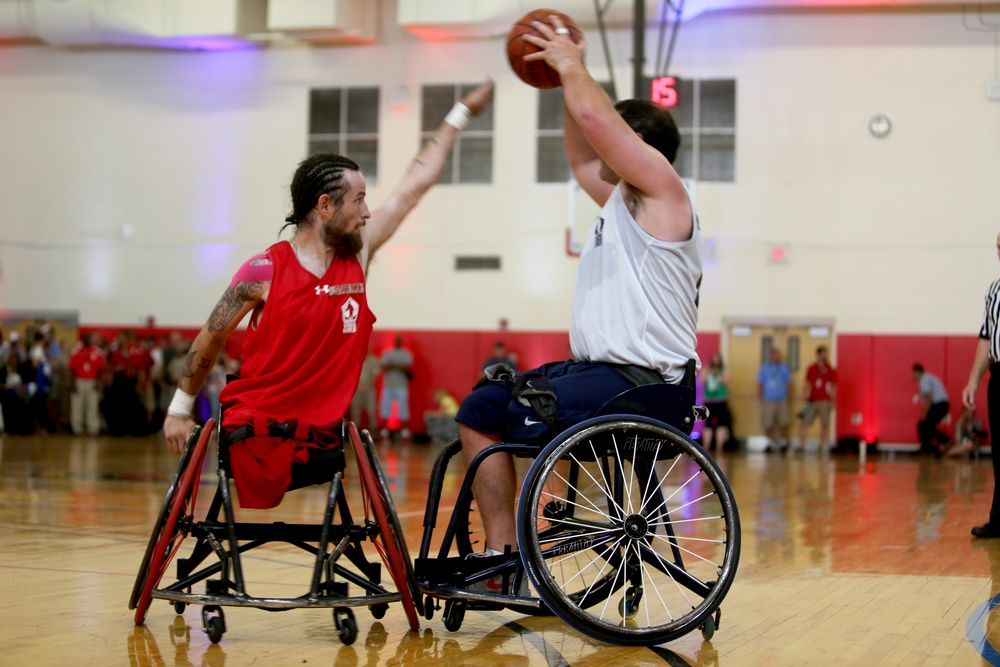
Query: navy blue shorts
x,y
581,388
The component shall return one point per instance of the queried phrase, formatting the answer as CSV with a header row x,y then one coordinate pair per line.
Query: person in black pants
x,y
988,358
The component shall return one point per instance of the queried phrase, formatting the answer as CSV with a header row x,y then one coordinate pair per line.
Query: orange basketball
x,y
536,73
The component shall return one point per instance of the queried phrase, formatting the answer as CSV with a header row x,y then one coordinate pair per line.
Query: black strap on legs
x,y
533,390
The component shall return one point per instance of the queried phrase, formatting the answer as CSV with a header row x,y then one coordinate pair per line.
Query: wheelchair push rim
x,y
169,531
628,530
389,541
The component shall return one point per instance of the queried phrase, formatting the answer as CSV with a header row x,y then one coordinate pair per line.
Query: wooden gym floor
x,y
841,565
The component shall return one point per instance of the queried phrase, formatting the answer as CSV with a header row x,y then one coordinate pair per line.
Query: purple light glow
x,y
202,43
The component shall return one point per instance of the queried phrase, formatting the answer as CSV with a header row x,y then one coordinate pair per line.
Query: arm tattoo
x,y
231,304
189,363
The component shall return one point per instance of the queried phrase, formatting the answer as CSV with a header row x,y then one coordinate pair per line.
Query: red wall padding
x,y
876,387
876,381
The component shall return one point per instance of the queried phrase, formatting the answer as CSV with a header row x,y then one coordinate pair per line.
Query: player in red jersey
x,y
310,322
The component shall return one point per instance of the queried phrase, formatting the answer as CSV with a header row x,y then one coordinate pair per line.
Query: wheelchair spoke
x,y
607,485
668,570
652,469
672,542
621,469
602,487
676,491
655,588
570,502
619,576
631,474
561,537
687,504
600,556
677,522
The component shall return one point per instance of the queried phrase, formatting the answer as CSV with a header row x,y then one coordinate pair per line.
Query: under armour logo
x,y
333,290
599,232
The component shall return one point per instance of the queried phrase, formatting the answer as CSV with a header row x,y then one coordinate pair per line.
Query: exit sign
x,y
663,91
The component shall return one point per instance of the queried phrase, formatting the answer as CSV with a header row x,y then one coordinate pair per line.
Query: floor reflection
x,y
872,561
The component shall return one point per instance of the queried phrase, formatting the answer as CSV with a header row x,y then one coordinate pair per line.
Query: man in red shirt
x,y
87,365
310,323
820,384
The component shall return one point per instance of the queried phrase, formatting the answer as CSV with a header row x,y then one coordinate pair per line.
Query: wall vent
x,y
477,263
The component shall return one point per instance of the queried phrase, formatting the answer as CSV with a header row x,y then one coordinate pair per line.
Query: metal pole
x,y
639,57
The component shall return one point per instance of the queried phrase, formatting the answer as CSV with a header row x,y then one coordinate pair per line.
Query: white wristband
x,y
459,116
181,404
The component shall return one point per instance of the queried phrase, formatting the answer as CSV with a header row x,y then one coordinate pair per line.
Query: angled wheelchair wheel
x,y
629,530
389,540
173,520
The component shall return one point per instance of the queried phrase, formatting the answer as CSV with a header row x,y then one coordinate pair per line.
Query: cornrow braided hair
x,y
317,175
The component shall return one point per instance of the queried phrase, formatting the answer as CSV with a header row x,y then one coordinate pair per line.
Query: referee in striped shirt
x,y
988,357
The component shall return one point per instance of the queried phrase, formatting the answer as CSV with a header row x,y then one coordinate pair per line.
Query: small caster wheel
x,y
708,629
215,629
379,610
428,609
454,614
213,622
347,627
711,625
629,605
179,607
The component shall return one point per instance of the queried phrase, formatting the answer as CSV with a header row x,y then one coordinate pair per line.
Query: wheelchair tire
x,y
389,542
167,534
646,540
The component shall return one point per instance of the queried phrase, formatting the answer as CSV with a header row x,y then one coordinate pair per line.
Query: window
x,y
706,116
471,159
550,161
345,121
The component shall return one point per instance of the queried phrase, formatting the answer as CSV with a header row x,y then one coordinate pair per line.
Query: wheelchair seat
x,y
669,403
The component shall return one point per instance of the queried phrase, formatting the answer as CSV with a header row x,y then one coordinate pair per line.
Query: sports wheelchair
x,y
331,543
627,529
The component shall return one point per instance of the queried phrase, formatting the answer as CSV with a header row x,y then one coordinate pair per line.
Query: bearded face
x,y
341,235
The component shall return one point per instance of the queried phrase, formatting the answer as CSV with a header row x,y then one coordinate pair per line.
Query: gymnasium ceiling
x,y
221,24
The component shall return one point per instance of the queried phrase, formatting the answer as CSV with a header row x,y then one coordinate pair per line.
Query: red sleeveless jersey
x,y
302,356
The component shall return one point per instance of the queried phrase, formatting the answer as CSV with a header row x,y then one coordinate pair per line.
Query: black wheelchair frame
x,y
625,526
229,540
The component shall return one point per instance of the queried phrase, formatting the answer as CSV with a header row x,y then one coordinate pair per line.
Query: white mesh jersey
x,y
636,297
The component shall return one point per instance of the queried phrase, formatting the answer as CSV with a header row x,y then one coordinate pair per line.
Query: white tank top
x,y
636,297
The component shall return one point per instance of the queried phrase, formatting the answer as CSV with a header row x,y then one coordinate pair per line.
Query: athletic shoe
x,y
986,531
495,583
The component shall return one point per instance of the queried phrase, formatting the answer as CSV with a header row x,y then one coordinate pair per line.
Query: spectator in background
x,y
396,364
501,355
87,364
366,397
62,386
441,424
14,395
773,382
820,384
715,391
174,370
125,410
934,407
215,383
969,435
40,386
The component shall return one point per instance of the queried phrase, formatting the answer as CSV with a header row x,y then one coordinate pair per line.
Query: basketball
x,y
535,73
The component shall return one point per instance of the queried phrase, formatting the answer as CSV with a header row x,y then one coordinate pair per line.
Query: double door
x,y
749,346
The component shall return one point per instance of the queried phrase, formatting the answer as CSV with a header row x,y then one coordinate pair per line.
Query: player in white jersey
x,y
635,306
